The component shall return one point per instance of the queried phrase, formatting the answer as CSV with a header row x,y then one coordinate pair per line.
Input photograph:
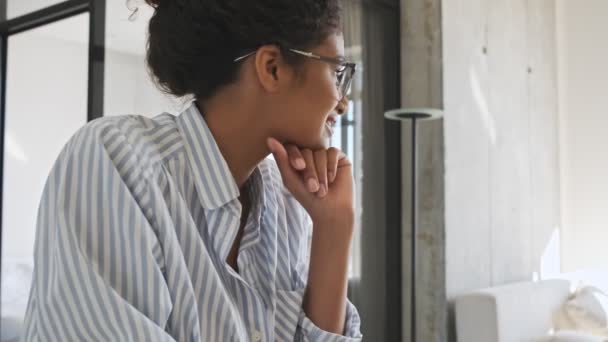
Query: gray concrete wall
x,y
501,138
492,66
421,82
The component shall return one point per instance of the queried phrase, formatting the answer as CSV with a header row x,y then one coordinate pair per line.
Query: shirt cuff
x,y
352,328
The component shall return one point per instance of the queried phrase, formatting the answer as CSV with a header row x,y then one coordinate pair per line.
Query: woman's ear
x,y
270,68
274,72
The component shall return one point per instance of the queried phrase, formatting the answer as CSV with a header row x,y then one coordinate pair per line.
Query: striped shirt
x,y
135,224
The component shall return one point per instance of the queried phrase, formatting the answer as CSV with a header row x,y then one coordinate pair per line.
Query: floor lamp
x,y
414,115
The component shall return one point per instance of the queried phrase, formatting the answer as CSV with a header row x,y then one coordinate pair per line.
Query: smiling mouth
x,y
330,123
329,127
331,120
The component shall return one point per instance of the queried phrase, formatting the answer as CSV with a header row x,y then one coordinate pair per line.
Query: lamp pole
x,y
414,115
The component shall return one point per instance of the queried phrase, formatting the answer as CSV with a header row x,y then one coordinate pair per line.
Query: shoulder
x,y
128,144
124,135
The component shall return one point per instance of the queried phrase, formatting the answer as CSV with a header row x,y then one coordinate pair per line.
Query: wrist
x,y
342,218
335,233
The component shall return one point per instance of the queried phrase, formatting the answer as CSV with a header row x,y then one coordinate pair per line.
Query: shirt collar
x,y
258,197
212,177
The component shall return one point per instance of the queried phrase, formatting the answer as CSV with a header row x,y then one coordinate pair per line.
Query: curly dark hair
x,y
192,44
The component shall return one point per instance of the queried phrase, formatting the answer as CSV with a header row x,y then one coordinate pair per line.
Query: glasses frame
x,y
344,75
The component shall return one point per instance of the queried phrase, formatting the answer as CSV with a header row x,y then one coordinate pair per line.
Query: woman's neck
x,y
239,136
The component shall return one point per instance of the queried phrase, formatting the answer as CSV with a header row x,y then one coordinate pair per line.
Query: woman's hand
x,y
306,174
320,180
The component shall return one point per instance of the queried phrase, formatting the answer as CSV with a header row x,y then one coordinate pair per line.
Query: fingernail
x,y
313,185
322,191
330,176
300,164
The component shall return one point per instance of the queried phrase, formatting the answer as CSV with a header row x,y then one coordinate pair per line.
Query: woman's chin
x,y
325,140
322,140
327,135
322,143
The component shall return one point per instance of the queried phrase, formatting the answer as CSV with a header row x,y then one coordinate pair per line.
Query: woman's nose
x,y
342,106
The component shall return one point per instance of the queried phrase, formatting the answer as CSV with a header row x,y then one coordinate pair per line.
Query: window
x,y
40,117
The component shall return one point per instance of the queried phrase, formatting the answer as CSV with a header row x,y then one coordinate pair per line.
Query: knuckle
x,y
323,177
322,171
310,170
306,153
310,174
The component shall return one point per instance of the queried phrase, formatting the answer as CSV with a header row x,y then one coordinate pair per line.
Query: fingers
x,y
343,160
295,157
332,163
310,173
290,176
307,170
321,168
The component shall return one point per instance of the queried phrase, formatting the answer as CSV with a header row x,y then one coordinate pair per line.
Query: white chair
x,y
520,312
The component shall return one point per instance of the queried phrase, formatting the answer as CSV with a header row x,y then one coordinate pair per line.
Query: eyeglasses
x,y
344,75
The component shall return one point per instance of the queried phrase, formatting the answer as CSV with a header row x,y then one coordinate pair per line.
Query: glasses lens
x,y
339,79
345,81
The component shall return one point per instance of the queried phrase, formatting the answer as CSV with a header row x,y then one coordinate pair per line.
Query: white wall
x,y
583,68
501,141
130,90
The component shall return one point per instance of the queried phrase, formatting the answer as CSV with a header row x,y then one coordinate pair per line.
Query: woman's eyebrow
x,y
340,58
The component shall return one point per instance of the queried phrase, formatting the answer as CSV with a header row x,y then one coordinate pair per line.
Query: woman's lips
x,y
330,123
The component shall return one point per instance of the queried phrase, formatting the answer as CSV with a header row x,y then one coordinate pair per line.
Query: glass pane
x,y
16,8
128,86
351,142
46,103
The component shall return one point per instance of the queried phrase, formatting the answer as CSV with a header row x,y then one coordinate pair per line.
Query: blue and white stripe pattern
x,y
137,218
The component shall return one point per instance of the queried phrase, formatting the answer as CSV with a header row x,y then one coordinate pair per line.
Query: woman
x,y
178,228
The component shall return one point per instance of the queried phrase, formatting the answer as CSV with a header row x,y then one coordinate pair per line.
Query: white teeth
x,y
329,128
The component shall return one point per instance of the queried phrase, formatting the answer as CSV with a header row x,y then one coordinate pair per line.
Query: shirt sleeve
x,y
98,266
306,329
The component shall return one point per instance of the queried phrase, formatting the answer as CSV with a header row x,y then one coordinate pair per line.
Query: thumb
x,y
290,177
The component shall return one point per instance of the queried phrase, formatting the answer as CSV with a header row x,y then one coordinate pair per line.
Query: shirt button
x,y
257,336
